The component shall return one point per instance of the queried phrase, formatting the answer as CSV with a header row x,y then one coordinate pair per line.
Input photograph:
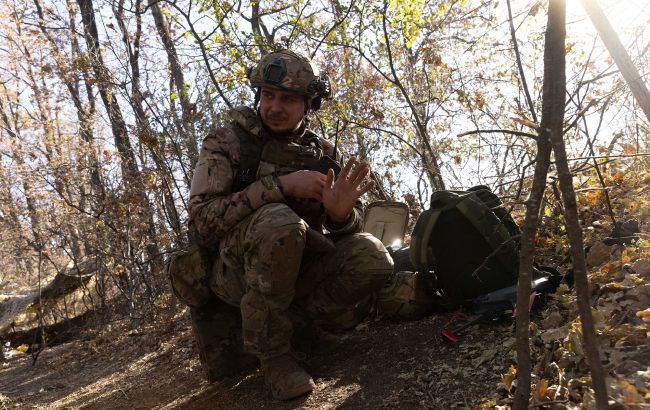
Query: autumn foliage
x,y
103,104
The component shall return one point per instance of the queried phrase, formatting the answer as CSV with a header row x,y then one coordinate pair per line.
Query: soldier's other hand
x,y
341,194
303,184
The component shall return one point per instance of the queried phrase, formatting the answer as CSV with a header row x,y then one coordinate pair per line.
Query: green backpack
x,y
466,244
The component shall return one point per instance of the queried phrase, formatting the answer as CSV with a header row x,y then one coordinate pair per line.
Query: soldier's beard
x,y
284,132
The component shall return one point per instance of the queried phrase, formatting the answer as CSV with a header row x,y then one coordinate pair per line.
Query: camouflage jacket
x,y
214,208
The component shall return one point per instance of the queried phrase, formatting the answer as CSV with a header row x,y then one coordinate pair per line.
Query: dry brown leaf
x,y
630,394
541,391
509,377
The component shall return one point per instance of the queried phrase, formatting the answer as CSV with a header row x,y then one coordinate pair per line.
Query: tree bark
x,y
552,120
574,231
620,56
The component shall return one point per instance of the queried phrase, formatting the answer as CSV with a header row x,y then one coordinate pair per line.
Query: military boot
x,y
217,328
350,318
310,339
286,379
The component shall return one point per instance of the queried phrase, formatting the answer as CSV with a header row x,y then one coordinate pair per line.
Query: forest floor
x,y
379,364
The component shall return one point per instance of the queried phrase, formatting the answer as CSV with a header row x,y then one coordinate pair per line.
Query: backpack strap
x,y
419,250
421,255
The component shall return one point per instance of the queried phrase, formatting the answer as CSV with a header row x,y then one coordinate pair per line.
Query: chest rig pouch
x,y
281,157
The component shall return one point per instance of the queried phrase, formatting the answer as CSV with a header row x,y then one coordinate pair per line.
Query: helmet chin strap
x,y
307,105
316,103
256,101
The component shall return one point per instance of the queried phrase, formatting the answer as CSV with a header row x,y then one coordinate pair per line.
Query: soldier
x,y
285,239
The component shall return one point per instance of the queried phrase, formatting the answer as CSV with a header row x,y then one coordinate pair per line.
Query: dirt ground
x,y
380,364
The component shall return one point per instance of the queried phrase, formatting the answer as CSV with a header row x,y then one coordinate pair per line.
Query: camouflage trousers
x,y
268,266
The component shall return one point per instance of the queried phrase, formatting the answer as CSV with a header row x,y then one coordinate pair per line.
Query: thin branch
x,y
391,133
524,84
488,258
293,29
608,201
579,115
513,132
204,51
334,26
641,154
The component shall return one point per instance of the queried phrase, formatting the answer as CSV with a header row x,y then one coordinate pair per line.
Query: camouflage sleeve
x,y
354,224
213,208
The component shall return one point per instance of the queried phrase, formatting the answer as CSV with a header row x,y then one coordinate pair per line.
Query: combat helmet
x,y
290,71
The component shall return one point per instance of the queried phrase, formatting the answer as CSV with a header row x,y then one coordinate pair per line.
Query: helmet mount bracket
x,y
275,71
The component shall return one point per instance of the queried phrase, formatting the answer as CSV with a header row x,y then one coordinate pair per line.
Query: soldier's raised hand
x,y
340,194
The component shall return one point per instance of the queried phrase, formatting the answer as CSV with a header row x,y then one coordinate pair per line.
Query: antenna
x,y
336,138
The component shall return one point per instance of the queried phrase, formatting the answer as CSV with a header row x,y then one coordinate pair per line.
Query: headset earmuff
x,y
316,103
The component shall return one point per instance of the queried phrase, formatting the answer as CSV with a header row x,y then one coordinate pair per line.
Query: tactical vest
x,y
262,155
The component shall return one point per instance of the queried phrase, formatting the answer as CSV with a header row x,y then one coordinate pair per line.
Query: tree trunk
x,y
574,231
145,134
71,80
130,171
142,124
620,56
552,117
179,82
51,143
38,242
11,219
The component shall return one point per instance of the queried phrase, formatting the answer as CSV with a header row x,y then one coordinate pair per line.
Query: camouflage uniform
x,y
264,255
272,254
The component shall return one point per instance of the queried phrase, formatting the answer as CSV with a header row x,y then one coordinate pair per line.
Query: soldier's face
x,y
282,111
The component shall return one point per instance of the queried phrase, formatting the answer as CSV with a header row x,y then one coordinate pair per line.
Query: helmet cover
x,y
289,71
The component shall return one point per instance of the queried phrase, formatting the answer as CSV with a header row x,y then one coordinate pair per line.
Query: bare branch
x,y
513,132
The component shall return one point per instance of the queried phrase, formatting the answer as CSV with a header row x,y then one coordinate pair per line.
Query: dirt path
x,y
381,365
